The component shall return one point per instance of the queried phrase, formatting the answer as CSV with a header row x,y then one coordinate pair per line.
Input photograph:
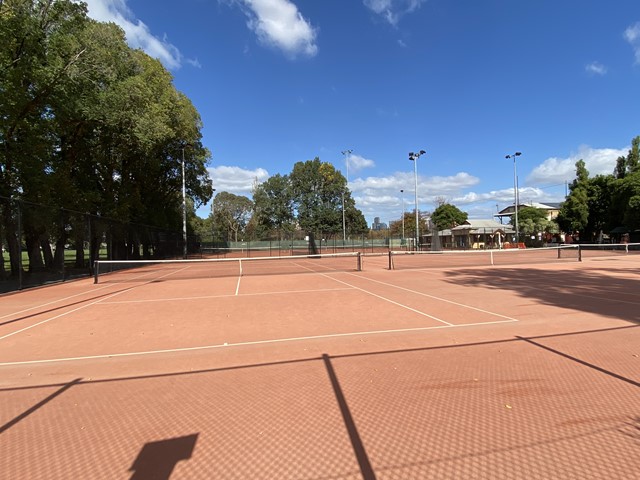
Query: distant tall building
x,y
378,225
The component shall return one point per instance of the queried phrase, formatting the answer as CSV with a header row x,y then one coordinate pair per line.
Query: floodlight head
x,y
401,191
422,152
507,156
411,154
518,154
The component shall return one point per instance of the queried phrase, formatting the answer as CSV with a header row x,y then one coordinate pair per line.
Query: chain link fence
x,y
40,244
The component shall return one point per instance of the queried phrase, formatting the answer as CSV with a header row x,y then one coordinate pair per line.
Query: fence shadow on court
x,y
589,289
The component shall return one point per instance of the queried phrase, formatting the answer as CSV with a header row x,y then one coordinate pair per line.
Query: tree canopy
x,y
597,205
89,124
313,196
448,216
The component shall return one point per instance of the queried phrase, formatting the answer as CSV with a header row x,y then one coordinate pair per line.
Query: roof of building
x,y
481,226
544,206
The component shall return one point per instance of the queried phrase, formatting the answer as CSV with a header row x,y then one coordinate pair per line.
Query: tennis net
x,y
107,271
589,250
399,260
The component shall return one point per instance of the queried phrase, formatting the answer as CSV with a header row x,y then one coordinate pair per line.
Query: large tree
x,y
233,212
574,212
273,206
448,216
533,221
91,125
318,189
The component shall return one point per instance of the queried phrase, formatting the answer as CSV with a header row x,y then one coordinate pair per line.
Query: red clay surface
x,y
503,372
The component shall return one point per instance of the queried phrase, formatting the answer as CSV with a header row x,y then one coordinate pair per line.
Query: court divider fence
x,y
41,244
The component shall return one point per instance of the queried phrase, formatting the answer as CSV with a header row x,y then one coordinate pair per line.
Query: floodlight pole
x,y
184,210
402,192
346,154
515,193
213,226
414,158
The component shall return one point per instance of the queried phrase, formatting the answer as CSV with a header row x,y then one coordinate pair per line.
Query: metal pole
x,y
415,178
346,154
414,158
515,198
213,226
402,192
184,211
515,193
344,228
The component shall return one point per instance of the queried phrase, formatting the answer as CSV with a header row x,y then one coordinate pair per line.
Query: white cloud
x,y
393,10
357,163
560,170
137,33
382,196
632,35
194,62
279,23
236,180
596,68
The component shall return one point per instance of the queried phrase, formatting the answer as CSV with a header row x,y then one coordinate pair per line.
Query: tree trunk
x,y
32,239
45,246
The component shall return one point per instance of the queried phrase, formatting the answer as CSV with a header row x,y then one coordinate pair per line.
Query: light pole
x,y
414,158
346,154
515,192
402,192
213,225
344,225
184,210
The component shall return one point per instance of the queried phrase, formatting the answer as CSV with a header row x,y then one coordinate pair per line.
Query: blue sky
x,y
469,81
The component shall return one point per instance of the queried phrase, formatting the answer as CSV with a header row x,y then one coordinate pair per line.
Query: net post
x,y
558,253
96,263
359,262
579,253
390,261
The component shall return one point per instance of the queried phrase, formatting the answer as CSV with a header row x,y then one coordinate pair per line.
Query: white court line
x,y
79,308
67,298
54,301
251,343
389,300
437,298
238,285
205,297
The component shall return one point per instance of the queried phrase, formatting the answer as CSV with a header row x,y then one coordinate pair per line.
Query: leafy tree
x,y
599,202
448,216
574,212
626,201
91,125
633,157
355,222
409,225
273,205
37,53
317,189
533,220
233,211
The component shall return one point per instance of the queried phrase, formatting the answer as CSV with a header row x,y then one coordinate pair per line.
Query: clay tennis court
x,y
500,371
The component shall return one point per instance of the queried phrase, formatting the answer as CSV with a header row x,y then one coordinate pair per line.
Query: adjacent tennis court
x,y
328,367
